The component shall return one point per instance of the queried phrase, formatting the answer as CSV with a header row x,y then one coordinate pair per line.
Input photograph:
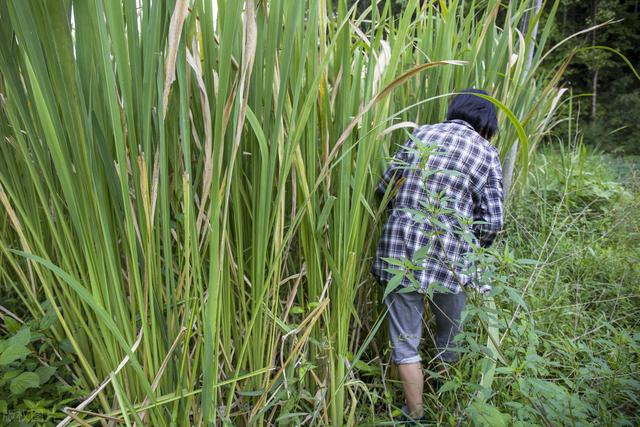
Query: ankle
x,y
417,414
414,411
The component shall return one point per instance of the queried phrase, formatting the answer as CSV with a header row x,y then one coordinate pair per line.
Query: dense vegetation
x,y
190,216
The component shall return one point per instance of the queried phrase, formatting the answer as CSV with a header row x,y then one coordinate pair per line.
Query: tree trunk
x,y
594,96
594,81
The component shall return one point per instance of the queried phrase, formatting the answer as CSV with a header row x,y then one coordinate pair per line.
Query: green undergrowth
x,y
580,220
36,380
566,276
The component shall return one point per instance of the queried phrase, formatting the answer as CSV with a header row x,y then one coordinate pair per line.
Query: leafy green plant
x,y
578,181
35,380
581,295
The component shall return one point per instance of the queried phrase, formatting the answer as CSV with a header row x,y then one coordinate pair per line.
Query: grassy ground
x,y
583,299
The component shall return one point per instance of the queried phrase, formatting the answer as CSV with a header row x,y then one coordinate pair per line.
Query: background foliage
x,y
616,94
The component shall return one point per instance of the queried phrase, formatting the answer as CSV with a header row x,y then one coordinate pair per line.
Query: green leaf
x,y
516,297
45,372
66,346
9,375
526,261
438,288
12,324
24,381
296,309
12,353
449,386
394,261
421,253
324,214
364,367
250,393
21,338
392,285
407,289
483,414
47,320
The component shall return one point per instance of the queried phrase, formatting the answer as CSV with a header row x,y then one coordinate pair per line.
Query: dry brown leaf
x,y
208,145
175,29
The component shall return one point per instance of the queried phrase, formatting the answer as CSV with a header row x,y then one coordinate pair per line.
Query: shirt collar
x,y
460,122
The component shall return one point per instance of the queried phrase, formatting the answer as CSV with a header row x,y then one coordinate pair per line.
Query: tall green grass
x,y
190,186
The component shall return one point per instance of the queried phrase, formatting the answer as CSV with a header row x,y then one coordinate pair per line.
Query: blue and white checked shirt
x,y
446,170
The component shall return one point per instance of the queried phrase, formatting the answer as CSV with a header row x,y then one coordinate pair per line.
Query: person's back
x,y
458,148
443,169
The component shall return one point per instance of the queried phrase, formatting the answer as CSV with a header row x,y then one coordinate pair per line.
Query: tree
x,y
615,92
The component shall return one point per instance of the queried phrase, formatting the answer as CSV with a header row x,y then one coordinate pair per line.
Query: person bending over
x,y
457,185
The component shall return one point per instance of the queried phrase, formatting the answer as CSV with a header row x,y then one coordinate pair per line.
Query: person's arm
x,y
491,210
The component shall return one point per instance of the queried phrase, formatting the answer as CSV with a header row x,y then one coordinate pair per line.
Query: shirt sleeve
x,y
490,210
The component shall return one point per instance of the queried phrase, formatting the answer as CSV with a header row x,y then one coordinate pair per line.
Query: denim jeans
x,y
406,318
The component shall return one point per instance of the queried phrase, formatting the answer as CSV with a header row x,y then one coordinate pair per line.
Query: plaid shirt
x,y
445,171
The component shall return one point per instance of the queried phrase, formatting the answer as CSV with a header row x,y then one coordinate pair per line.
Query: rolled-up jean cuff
x,y
405,326
447,356
407,360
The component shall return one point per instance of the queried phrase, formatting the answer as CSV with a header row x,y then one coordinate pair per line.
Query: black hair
x,y
478,112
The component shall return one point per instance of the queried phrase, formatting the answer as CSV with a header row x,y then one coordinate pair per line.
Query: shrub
x,y
35,379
